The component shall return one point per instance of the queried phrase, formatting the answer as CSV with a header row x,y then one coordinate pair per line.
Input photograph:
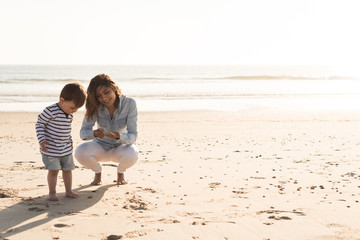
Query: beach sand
x,y
250,175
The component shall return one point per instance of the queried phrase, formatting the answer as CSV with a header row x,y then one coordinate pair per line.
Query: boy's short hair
x,y
74,92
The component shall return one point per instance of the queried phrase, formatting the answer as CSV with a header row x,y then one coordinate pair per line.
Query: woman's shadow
x,y
25,215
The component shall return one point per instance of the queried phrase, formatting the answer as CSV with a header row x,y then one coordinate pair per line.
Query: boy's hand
x,y
43,147
99,133
115,135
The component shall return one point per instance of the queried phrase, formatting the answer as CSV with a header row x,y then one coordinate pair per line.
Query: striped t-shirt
x,y
54,125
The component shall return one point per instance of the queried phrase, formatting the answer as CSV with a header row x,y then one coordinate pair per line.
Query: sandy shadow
x,y
30,213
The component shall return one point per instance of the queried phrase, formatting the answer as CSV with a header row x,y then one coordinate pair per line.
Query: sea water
x,y
30,88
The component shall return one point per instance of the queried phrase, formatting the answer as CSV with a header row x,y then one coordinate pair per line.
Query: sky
x,y
247,32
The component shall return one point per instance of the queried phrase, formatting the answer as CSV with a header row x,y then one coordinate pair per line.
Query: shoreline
x,y
281,103
255,174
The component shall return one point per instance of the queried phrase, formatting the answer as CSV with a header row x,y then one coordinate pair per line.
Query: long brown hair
x,y
92,104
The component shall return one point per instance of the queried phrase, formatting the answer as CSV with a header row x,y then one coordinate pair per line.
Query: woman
x,y
113,140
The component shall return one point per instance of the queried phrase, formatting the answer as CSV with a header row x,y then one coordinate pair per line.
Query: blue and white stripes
x,y
54,125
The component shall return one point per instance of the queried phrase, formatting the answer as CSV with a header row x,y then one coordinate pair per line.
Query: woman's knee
x,y
128,157
133,158
80,153
132,155
126,162
84,152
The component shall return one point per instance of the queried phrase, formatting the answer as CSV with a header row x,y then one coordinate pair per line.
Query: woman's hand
x,y
115,135
99,133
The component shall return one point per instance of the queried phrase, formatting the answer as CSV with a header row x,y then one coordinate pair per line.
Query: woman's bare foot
x,y
121,179
97,179
72,195
53,197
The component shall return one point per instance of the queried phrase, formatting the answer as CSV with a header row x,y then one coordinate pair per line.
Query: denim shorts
x,y
65,163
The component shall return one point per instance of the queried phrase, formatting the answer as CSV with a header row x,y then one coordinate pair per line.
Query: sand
x,y
257,174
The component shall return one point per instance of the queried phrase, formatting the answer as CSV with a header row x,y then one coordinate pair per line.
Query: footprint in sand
x,y
298,213
279,218
113,237
36,209
214,184
136,203
8,193
60,225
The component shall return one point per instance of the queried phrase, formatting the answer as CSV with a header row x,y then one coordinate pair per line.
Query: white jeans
x,y
89,154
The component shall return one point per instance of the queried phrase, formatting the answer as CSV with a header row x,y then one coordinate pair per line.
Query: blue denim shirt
x,y
124,121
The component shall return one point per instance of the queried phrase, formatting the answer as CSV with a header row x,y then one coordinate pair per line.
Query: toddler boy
x,y
53,129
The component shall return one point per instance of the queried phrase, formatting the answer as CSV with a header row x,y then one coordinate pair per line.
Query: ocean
x,y
30,88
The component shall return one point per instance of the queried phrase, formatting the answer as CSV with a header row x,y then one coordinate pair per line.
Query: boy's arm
x,y
86,131
42,121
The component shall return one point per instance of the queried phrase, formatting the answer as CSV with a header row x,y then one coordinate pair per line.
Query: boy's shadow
x,y
27,212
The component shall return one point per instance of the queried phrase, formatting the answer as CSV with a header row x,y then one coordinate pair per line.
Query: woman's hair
x,y
74,92
92,102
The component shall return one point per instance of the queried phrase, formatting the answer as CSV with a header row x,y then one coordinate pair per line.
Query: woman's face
x,y
105,95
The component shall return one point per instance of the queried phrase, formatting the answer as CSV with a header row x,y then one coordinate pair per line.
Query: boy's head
x,y
72,97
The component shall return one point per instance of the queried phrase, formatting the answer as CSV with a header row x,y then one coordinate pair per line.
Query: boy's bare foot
x,y
121,179
97,179
72,195
53,197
